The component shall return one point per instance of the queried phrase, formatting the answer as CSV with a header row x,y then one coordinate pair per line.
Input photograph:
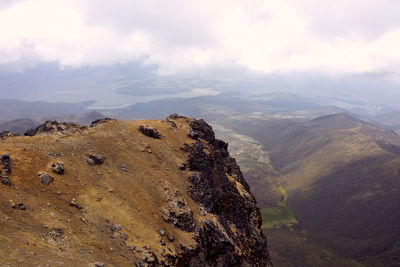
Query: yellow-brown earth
x,y
121,221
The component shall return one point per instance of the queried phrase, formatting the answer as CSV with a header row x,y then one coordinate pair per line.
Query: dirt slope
x,y
172,200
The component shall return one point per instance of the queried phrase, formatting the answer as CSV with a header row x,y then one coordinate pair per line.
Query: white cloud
x,y
183,36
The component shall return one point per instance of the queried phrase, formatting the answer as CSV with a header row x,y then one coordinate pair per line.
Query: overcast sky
x,y
179,36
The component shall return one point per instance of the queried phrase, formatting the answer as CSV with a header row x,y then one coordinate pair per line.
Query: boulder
x,y
5,171
58,167
101,121
45,178
5,162
93,159
150,131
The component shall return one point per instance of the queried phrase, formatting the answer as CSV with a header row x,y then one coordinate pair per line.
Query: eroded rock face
x,y
218,185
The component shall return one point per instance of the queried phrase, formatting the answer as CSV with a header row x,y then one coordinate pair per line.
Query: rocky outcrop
x,y
101,121
55,127
58,167
45,178
233,236
5,163
150,131
93,159
7,134
178,213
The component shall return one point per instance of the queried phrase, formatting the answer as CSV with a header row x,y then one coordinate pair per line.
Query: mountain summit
x,y
150,193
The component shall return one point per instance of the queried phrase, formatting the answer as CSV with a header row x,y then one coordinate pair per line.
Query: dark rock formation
x,y
203,130
175,116
19,206
218,186
54,126
7,134
149,131
93,159
58,167
178,213
193,134
5,162
45,178
101,121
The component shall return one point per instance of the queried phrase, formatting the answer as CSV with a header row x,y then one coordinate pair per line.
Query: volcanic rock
x,y
58,167
45,178
150,131
93,159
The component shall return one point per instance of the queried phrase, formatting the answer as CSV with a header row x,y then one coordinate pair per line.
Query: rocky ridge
x,y
119,194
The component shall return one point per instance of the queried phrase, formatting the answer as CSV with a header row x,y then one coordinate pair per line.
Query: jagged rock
x,y
178,213
203,130
55,127
93,159
45,178
7,134
193,134
149,131
58,167
6,181
101,121
175,116
229,200
5,162
5,171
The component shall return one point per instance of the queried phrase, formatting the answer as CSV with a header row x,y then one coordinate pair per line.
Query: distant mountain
x,y
222,105
391,119
342,181
11,109
20,126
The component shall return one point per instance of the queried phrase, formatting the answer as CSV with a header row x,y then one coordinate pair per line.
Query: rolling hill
x,y
342,181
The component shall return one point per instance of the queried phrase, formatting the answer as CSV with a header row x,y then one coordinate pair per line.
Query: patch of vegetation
x,y
276,217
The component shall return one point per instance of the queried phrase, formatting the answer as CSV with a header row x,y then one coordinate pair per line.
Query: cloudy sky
x,y
265,36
